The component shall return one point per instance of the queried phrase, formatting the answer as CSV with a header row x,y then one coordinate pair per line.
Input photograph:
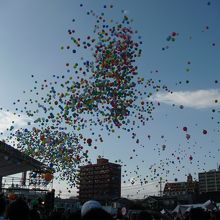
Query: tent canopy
x,y
186,208
13,161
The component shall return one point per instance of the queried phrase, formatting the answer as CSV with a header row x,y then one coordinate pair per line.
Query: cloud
x,y
6,118
198,99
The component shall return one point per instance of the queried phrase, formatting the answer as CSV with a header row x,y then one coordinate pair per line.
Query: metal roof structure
x,y
13,161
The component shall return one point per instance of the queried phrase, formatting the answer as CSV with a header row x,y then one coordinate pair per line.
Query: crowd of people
x,y
21,209
198,213
24,209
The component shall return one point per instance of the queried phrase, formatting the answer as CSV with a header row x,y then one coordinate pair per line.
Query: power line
x,y
151,183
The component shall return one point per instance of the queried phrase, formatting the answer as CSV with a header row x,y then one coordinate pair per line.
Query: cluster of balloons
x,y
185,129
103,90
171,38
100,93
40,179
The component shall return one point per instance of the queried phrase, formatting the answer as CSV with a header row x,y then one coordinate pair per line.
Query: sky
x,y
180,50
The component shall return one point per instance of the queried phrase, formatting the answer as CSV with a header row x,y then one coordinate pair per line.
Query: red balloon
x,y
89,141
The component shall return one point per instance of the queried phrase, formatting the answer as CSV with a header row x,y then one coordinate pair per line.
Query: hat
x,y
89,205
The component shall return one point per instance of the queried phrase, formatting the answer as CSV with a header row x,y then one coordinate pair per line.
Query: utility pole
x,y
160,185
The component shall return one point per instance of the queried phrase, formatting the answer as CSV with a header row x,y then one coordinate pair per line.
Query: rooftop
x,y
13,161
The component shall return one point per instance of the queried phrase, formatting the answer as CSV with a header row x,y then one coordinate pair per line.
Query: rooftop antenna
x,y
103,152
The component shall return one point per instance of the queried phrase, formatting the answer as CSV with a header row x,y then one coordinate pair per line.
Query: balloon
x,y
187,136
48,176
204,131
89,141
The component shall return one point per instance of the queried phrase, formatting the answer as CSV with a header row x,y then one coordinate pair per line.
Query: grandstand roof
x,y
13,161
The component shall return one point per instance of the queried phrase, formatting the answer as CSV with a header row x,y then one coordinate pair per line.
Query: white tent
x,y
182,208
186,208
209,204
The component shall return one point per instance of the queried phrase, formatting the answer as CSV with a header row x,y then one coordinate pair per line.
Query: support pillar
x,y
23,178
0,184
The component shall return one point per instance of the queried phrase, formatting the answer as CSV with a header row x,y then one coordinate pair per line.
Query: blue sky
x,y
32,33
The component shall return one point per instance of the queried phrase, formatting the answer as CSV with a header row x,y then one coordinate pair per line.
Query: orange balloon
x,y
48,176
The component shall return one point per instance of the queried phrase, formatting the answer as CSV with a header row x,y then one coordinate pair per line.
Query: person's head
x,y
144,216
74,216
87,206
97,213
2,205
93,210
55,216
198,213
34,215
133,216
18,210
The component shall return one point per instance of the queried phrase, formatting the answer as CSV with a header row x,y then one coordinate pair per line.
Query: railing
x,y
19,183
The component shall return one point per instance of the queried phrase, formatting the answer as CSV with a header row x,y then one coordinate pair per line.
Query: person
x,y
97,214
2,207
18,210
144,216
74,216
133,216
55,215
198,214
34,213
119,214
93,210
